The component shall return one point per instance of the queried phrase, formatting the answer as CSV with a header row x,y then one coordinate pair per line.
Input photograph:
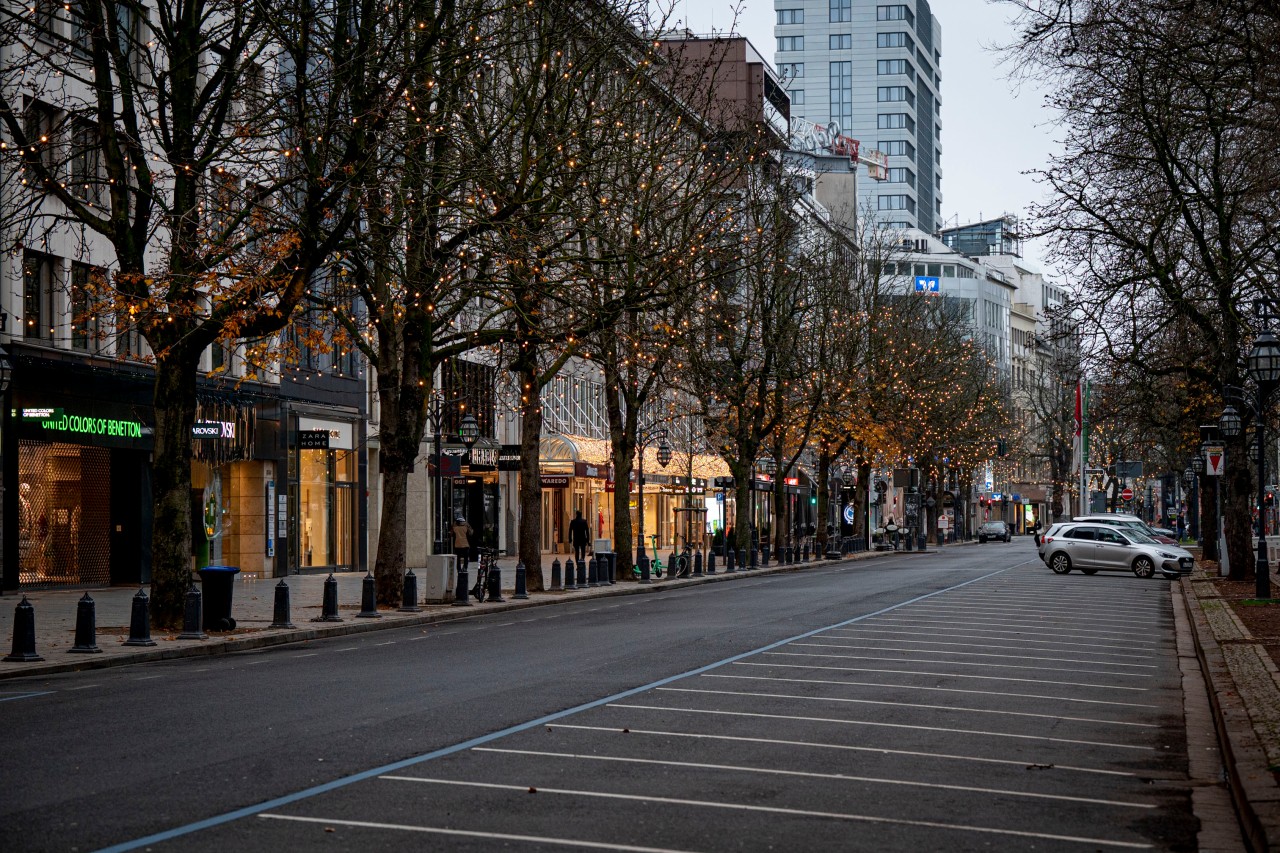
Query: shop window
x,y
64,514
326,507
37,296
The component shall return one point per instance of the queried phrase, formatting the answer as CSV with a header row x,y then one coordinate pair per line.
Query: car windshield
x,y
1140,537
994,525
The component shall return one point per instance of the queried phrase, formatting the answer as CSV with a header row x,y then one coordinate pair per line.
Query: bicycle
x,y
487,562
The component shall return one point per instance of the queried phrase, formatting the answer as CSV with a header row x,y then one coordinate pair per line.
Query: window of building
x,y
790,16
841,76
790,43
85,301
797,97
896,202
40,123
893,40
895,13
840,41
128,337
841,11
890,121
902,175
791,70
37,296
897,148
949,271
895,93
86,163
896,66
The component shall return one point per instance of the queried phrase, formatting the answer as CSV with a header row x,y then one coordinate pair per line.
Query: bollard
x,y
582,574
369,598
593,572
280,618
556,584
755,558
24,634
522,590
788,555
606,568
764,556
711,561
494,592
697,564
140,623
570,578
86,627
462,595
191,629
644,569
329,605
409,596
804,552
730,561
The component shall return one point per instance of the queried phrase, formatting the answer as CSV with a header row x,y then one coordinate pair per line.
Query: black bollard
x,y
730,561
140,623
697,564
462,596
191,629
369,598
522,590
764,556
804,552
755,558
593,572
556,584
494,593
582,574
86,627
280,618
409,594
329,605
711,561
644,569
24,634
570,576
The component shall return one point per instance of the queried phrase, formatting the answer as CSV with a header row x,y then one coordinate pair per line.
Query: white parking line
x,y
388,643
972,654
743,807
81,687
466,833
835,777
307,655
1043,630
959,663
927,674
149,677
915,705
942,729
1023,641
933,689
1041,614
944,756
347,649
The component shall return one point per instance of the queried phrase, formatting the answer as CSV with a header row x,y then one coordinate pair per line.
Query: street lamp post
x,y
6,374
468,432
1264,369
645,435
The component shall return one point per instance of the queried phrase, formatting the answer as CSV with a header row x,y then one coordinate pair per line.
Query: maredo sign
x,y
819,138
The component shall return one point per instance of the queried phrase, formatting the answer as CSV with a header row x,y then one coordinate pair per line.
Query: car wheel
x,y
1060,563
1143,567
1090,571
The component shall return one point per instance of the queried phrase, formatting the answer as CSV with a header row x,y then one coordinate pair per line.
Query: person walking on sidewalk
x,y
462,533
579,536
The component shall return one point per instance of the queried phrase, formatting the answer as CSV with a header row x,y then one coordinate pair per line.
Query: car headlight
x,y
1168,556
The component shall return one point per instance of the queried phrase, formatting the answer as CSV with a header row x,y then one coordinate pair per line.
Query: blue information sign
x,y
927,284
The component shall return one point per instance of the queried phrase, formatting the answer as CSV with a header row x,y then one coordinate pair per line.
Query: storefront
x,y
474,491
324,476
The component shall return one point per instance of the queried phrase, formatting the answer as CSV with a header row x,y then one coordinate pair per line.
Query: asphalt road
x,y
963,700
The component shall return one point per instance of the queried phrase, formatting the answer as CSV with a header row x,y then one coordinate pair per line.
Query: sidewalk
x,y
1244,692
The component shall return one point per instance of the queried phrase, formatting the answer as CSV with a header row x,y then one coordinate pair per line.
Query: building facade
x,y
872,67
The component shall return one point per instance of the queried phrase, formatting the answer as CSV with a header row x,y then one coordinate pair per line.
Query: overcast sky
x,y
992,131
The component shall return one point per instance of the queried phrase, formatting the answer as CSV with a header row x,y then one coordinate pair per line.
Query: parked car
x,y
1092,547
994,530
1131,522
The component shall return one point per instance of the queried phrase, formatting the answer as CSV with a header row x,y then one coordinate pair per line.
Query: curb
x,y
444,613
1253,786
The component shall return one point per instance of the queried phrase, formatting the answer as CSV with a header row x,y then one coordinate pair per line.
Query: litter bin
x,y
218,583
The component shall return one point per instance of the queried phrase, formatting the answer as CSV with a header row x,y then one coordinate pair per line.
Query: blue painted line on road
x,y
336,784
24,695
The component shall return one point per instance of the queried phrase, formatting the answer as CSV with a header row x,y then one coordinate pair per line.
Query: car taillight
x,y
1048,539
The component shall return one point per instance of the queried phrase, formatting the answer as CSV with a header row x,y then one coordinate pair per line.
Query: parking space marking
x,y
865,634
974,654
847,747
777,810
469,833
987,664
916,705
15,696
932,689
1041,615
945,675
834,777
1044,629
942,729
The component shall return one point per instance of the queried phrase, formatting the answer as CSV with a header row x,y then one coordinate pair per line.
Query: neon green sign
x,y
86,425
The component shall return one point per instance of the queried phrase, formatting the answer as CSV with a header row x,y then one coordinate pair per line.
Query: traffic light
x,y
1270,499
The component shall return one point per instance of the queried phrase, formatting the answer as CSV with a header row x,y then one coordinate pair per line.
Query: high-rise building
x,y
873,68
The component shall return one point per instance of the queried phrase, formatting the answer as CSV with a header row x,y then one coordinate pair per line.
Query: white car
x,y
1095,547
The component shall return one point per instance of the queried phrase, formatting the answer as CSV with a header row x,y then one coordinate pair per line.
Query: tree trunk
x,y
861,518
175,411
1209,517
529,549
1237,513
823,516
389,567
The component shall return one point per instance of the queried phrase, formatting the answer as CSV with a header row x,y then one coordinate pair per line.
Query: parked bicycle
x,y
488,562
